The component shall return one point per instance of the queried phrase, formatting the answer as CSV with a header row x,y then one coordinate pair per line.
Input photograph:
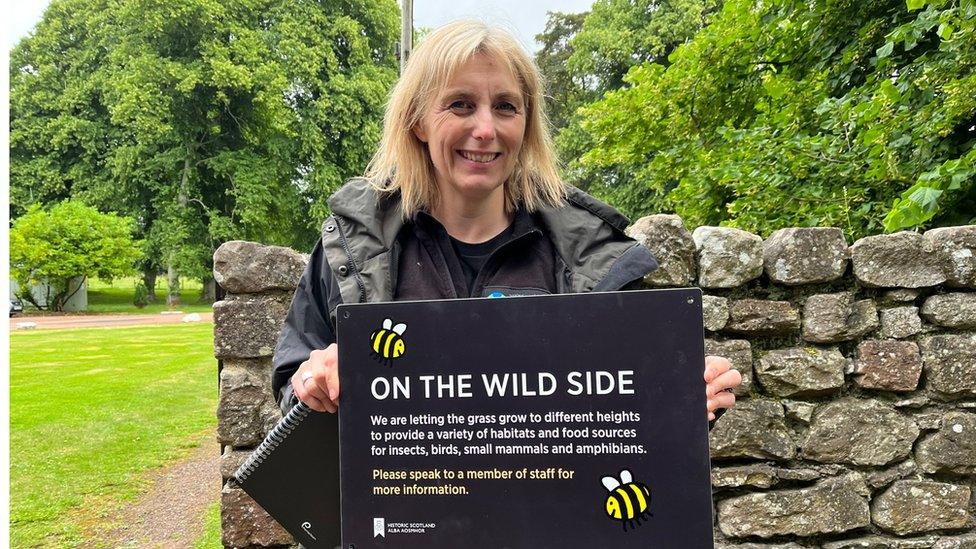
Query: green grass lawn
x,y
211,530
91,411
117,297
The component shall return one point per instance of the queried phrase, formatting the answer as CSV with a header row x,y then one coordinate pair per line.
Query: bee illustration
x,y
627,501
387,343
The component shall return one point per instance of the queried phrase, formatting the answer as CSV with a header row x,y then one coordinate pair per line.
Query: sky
x,y
524,18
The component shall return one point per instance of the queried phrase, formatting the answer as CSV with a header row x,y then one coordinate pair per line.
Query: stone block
x,y
763,476
726,545
752,476
950,364
797,410
753,429
888,365
805,255
806,371
762,317
246,409
952,449
878,542
965,541
899,260
958,245
900,295
955,310
231,460
831,506
716,312
246,524
739,353
900,322
727,257
859,432
831,318
918,506
248,327
248,267
671,243
880,479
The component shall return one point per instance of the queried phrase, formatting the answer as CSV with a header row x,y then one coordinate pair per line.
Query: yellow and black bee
x,y
387,343
628,500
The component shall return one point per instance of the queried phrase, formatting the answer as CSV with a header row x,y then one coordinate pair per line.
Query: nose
x,y
484,125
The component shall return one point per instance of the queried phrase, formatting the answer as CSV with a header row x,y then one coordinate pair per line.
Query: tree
x,y
70,240
205,121
619,34
587,55
794,113
566,90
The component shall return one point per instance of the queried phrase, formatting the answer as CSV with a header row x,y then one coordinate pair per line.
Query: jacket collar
x,y
588,236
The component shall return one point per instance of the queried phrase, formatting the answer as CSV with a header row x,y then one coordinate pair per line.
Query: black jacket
x,y
359,257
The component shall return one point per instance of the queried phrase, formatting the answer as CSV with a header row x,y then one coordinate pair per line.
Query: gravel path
x,y
171,513
99,321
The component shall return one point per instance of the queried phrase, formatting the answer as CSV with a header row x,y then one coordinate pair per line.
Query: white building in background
x,y
77,303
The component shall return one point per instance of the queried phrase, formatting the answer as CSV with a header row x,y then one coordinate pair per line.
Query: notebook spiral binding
x,y
284,428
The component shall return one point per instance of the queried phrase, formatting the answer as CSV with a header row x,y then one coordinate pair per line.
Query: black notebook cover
x,y
294,476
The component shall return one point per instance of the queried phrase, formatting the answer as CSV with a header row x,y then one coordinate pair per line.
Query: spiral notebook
x,y
305,469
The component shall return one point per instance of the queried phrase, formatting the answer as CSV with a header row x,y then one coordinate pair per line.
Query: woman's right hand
x,y
316,383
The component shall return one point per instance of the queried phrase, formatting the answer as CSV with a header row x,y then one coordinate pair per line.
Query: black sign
x,y
526,422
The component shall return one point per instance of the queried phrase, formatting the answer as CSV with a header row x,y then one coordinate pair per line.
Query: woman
x,y
461,200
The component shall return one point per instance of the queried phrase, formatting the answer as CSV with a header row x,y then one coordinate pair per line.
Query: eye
x,y
507,107
460,105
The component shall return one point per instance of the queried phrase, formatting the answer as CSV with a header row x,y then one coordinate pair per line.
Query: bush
x,y
141,298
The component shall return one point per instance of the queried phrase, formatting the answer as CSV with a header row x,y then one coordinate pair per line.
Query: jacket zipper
x,y
351,262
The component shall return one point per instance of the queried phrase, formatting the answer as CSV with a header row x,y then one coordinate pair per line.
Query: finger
x,y
721,400
304,395
332,373
319,405
726,381
714,366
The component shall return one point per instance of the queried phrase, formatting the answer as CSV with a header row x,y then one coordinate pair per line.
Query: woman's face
x,y
474,130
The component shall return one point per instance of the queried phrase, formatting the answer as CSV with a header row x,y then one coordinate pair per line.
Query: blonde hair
x,y
402,162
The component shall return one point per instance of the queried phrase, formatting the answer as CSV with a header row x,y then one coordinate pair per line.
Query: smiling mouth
x,y
482,158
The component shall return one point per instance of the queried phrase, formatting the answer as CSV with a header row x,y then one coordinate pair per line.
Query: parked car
x,y
16,306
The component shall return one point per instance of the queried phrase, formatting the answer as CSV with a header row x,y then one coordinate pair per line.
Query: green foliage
x,y
585,55
204,120
794,113
618,34
141,297
67,241
566,89
92,411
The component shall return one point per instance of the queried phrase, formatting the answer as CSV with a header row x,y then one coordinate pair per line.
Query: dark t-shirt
x,y
474,256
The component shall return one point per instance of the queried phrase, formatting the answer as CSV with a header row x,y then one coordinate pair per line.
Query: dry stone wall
x,y
856,422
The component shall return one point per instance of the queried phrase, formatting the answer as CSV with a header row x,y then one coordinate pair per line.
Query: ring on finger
x,y
306,376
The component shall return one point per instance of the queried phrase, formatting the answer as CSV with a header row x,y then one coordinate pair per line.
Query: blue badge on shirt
x,y
509,291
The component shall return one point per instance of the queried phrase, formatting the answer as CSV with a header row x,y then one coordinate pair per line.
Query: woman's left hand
x,y
720,379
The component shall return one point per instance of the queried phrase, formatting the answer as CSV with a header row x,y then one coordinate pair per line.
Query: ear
x,y
420,131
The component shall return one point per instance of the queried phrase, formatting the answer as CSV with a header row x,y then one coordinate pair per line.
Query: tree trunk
x,y
149,279
173,283
172,277
209,294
